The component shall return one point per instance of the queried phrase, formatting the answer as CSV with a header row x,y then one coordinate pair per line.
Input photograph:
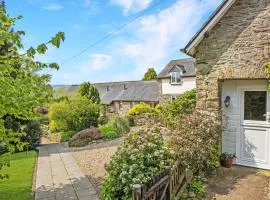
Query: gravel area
x,y
92,163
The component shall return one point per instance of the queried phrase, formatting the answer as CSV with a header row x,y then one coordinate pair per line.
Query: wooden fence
x,y
168,184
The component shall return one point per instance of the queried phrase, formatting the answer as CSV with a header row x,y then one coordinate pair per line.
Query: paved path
x,y
59,177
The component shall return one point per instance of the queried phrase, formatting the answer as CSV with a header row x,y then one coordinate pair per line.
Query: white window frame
x,y
176,78
120,105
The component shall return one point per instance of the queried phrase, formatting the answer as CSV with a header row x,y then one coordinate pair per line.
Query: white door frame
x,y
256,125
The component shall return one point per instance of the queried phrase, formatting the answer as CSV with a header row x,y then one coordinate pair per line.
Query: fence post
x,y
137,192
168,192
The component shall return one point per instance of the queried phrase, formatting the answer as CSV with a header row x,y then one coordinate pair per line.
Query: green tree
x,y
150,74
89,91
182,105
23,86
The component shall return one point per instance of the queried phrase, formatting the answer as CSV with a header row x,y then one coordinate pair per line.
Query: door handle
x,y
267,115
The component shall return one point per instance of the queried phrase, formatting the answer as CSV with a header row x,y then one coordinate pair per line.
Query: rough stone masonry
x,y
236,48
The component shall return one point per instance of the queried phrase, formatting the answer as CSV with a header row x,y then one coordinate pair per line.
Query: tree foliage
x,y
73,114
183,104
151,74
89,91
23,87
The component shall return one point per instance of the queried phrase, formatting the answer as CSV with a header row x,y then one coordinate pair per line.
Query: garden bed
x,y
19,185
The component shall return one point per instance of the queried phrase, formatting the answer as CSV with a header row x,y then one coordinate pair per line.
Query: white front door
x,y
254,139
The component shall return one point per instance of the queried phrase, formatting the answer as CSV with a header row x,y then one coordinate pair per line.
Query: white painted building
x,y
177,77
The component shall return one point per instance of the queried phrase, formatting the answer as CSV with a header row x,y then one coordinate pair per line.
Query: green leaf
x,y
31,52
42,48
60,36
54,66
56,42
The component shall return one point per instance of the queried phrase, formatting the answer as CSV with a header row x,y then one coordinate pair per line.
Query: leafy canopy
x,y
89,91
183,104
151,74
73,114
23,87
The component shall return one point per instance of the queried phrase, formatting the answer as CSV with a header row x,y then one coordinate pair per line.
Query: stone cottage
x,y
119,97
177,77
231,50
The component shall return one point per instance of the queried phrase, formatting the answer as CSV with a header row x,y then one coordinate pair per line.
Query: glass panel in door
x,y
255,103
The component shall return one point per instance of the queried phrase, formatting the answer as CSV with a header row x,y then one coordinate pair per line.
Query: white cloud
x,y
132,5
160,35
98,61
52,7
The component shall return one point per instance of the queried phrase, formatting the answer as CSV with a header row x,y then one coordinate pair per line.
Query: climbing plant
x,y
267,72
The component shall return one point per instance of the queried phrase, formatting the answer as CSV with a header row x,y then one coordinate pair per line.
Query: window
x,y
255,105
175,78
120,105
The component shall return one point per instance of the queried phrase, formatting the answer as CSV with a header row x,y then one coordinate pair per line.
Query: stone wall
x,y
236,48
162,98
125,106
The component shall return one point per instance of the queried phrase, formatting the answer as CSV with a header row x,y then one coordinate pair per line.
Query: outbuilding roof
x,y
187,66
145,91
133,91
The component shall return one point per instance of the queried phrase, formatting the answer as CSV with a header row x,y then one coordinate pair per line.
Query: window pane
x,y
255,105
178,78
173,77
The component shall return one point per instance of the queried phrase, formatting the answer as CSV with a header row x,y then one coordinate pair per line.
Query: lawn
x,y
19,184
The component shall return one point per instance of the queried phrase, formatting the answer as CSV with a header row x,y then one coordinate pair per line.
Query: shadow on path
x,y
238,183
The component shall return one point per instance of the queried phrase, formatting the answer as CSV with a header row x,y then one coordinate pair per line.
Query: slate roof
x,y
187,65
66,88
145,91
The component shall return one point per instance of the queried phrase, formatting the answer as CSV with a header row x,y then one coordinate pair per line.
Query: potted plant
x,y
226,159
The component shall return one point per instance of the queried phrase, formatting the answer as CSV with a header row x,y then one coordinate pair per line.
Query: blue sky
x,y
152,40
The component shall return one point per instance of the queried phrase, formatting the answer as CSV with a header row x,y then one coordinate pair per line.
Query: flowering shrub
x,y
183,104
195,139
141,155
141,108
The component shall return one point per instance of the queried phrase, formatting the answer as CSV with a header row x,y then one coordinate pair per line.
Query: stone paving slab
x,y
59,177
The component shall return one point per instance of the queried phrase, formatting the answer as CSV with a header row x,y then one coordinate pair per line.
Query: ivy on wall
x,y
267,72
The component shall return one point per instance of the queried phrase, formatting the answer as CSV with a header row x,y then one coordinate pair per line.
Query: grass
x,y
19,184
